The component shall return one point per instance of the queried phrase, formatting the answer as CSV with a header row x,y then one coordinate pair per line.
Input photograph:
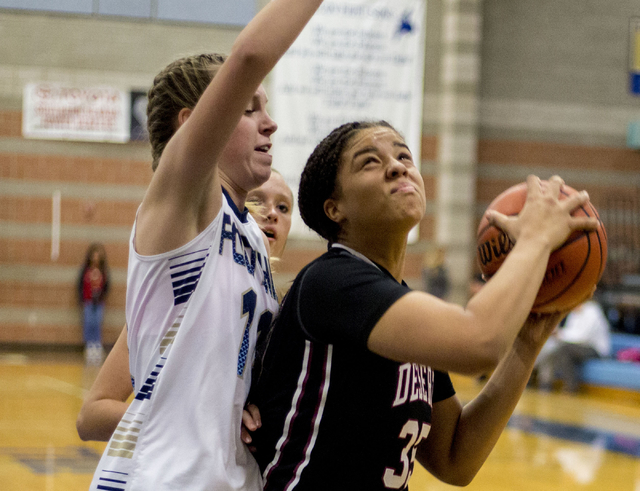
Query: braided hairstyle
x,y
318,182
178,86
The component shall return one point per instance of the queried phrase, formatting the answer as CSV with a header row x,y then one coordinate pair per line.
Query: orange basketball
x,y
573,269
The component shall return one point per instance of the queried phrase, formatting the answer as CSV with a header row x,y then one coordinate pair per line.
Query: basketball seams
x,y
575,278
584,263
488,226
604,232
572,241
579,236
571,283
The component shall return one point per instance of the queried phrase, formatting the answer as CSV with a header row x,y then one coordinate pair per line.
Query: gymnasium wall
x,y
238,12
101,184
552,98
555,99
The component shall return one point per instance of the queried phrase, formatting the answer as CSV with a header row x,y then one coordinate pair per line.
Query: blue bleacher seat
x,y
610,372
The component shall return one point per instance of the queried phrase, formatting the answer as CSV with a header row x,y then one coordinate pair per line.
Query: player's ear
x,y
183,115
332,210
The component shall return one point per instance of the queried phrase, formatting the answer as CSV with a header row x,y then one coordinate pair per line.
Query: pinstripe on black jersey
x,y
335,415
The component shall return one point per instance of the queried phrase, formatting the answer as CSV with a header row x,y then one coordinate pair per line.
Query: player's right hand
x,y
544,215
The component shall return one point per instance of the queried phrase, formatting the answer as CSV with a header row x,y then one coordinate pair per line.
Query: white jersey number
x,y
416,434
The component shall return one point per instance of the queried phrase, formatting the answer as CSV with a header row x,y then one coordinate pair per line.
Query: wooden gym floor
x,y
554,441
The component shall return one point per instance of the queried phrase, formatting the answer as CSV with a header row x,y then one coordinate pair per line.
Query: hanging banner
x,y
56,112
355,60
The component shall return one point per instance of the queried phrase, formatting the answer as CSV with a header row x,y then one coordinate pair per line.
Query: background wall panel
x,y
101,184
551,98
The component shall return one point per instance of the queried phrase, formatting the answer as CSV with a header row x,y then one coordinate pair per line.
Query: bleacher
x,y
610,372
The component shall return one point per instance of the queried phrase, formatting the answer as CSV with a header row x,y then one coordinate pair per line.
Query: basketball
x,y
573,269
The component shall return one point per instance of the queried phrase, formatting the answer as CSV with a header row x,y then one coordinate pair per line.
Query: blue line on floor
x,y
613,442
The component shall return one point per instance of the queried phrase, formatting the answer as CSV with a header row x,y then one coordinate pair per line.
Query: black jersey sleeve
x,y
342,297
442,386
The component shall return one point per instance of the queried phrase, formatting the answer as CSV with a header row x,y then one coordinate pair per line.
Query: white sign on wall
x,y
355,60
57,112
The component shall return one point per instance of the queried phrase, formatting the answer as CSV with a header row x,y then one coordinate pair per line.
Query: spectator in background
x,y
585,335
93,285
435,276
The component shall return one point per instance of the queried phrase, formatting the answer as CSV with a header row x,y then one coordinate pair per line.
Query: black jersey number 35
x,y
398,478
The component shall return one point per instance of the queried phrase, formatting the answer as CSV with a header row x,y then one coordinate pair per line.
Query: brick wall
x,y
551,102
101,184
39,296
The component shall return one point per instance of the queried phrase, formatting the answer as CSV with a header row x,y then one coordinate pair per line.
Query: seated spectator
x,y
585,335
435,275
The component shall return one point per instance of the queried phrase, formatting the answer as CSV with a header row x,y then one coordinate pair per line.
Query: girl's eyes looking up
x,y
407,158
374,160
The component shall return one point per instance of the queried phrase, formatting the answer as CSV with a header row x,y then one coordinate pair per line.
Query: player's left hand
x,y
250,422
538,327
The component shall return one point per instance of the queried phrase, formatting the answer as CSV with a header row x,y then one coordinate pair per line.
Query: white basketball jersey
x,y
193,316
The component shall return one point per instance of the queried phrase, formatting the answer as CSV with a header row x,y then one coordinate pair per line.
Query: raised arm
x,y
106,401
423,329
186,181
194,150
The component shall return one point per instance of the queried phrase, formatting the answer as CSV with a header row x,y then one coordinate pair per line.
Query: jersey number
x,y
248,310
416,434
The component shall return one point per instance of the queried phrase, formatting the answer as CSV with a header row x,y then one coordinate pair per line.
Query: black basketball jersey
x,y
336,416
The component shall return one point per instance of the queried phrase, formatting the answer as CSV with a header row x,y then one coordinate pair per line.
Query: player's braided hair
x,y
179,85
318,181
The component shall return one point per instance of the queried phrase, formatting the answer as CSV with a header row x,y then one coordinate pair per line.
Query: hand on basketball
x,y
544,215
